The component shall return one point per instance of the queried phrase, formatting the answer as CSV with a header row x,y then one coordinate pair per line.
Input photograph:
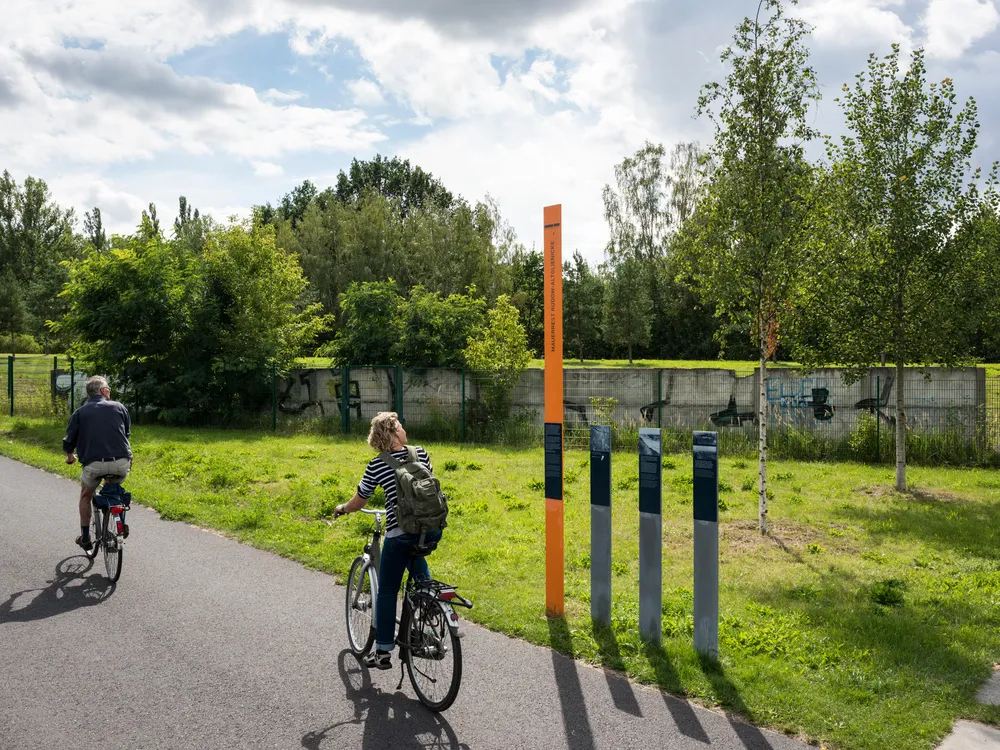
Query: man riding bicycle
x,y
98,431
387,435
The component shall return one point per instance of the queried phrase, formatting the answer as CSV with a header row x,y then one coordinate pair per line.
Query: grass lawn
x,y
868,620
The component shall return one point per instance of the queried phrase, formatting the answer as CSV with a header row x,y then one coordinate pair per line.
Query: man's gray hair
x,y
95,384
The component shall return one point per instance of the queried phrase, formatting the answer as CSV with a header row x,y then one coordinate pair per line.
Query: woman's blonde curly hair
x,y
383,430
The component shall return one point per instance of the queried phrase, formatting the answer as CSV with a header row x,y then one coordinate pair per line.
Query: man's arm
x,y
128,421
72,434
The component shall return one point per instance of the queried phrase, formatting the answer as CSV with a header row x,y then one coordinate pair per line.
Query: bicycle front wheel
x,y
112,548
95,533
360,607
433,655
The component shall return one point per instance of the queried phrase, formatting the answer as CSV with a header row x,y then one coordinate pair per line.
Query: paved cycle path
x,y
207,643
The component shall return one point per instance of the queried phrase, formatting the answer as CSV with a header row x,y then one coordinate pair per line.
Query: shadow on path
x,y
729,696
618,685
389,720
69,590
576,723
666,677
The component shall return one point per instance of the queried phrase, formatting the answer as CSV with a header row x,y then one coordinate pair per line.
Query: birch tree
x,y
751,231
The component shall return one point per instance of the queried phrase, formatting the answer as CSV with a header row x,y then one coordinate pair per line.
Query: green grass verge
x,y
868,620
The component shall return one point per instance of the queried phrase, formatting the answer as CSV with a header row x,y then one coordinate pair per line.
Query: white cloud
x,y
267,169
855,22
952,26
365,93
581,89
282,97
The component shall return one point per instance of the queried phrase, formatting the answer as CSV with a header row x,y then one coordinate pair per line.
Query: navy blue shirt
x,y
99,430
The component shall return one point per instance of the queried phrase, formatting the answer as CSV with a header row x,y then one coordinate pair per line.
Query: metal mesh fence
x,y
953,416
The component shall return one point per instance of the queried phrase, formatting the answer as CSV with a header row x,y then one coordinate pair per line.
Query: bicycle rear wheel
x,y
433,655
113,552
95,533
360,607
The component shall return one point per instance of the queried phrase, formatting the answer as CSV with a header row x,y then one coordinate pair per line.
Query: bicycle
x,y
428,637
110,503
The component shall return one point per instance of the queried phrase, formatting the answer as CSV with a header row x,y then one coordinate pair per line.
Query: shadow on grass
x,y
611,658
666,677
576,722
939,520
729,696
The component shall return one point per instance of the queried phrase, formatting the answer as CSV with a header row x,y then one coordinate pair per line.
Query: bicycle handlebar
x,y
377,512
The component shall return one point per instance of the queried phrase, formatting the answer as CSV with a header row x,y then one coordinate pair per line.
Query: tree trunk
x,y
762,435
900,430
630,352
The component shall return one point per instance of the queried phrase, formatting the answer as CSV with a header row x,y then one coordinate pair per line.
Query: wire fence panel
x,y
952,416
34,388
624,399
8,387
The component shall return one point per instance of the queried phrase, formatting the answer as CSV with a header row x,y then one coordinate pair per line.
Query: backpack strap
x,y
392,462
411,456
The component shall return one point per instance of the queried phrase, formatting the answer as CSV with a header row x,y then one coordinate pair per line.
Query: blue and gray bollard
x,y
600,524
706,543
650,534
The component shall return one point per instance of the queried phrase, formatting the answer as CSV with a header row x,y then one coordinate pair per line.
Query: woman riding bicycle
x,y
387,435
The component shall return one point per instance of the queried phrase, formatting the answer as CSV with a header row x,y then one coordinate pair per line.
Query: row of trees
x,y
887,250
884,250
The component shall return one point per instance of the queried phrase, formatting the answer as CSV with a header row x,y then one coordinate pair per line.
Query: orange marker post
x,y
554,535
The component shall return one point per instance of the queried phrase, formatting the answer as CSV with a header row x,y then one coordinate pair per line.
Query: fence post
x,y
10,382
878,419
72,385
345,399
659,398
463,404
399,392
274,397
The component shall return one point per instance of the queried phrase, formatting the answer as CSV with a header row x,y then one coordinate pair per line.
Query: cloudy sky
x,y
233,102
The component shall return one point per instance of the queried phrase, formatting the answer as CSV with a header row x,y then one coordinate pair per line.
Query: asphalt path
x,y
208,643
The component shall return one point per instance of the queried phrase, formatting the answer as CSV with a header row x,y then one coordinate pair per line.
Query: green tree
x,y
499,354
583,301
192,336
528,294
371,324
437,328
638,219
149,224
13,311
905,184
93,229
190,227
627,316
407,187
36,238
752,232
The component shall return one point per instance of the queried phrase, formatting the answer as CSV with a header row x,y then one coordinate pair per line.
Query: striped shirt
x,y
380,474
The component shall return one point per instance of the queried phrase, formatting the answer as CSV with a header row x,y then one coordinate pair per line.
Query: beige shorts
x,y
96,470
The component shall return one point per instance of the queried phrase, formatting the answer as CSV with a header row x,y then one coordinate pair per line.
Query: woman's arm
x,y
353,505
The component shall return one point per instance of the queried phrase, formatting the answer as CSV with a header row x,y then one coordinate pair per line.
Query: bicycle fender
x,y
451,617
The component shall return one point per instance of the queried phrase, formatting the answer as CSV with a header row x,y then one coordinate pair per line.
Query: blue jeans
x,y
395,560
